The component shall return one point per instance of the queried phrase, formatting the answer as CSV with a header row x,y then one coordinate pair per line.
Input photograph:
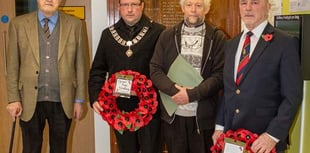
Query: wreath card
x,y
123,85
234,146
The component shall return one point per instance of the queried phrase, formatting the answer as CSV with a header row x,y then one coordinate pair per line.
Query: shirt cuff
x,y
79,101
273,138
219,127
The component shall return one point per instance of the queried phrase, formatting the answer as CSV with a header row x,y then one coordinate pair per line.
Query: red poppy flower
x,y
109,88
148,83
152,104
118,124
110,116
138,123
267,37
133,118
142,79
143,108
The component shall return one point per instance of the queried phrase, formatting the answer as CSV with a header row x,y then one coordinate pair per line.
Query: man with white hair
x,y
46,77
187,68
262,80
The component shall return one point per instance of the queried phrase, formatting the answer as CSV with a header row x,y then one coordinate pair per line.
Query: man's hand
x,y
15,109
181,98
263,144
97,108
216,135
78,110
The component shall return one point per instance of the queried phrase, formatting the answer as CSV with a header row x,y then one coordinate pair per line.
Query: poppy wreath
x,y
239,135
141,116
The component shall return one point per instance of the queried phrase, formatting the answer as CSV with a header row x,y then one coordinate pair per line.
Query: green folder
x,y
182,73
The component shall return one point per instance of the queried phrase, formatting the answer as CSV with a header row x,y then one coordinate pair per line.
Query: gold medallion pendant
x,y
129,52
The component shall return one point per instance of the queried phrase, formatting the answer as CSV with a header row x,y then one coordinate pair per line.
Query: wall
x,y
99,22
302,125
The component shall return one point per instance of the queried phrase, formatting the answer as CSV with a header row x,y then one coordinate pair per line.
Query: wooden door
x,y
81,137
7,11
223,13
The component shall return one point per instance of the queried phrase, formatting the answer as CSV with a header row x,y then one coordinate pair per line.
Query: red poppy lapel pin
x,y
267,37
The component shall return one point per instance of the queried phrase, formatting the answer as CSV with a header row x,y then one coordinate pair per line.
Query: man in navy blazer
x,y
265,100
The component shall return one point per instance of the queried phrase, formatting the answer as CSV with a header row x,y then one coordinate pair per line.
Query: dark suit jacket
x,y
270,92
23,62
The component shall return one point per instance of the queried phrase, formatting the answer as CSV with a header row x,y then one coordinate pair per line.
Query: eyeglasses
x,y
133,5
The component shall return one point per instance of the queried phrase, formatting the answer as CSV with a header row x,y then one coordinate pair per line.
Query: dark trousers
x,y
182,136
146,139
59,126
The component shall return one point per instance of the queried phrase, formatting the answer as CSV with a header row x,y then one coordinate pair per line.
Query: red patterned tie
x,y
244,58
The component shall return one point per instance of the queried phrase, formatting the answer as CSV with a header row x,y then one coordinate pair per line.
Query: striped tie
x,y
46,28
244,58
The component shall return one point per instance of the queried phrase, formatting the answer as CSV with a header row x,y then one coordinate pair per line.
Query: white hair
x,y
206,2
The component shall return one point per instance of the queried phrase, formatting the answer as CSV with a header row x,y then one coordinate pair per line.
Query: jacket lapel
x,y
31,29
65,27
231,57
259,50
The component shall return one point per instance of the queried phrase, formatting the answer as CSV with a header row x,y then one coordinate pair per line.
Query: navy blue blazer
x,y
269,94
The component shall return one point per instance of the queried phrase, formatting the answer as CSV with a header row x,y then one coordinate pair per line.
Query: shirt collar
x,y
256,31
53,19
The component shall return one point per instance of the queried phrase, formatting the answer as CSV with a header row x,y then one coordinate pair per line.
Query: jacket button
x,y
35,87
237,111
238,91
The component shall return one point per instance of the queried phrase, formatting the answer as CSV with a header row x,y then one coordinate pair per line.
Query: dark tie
x,y
244,58
46,28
